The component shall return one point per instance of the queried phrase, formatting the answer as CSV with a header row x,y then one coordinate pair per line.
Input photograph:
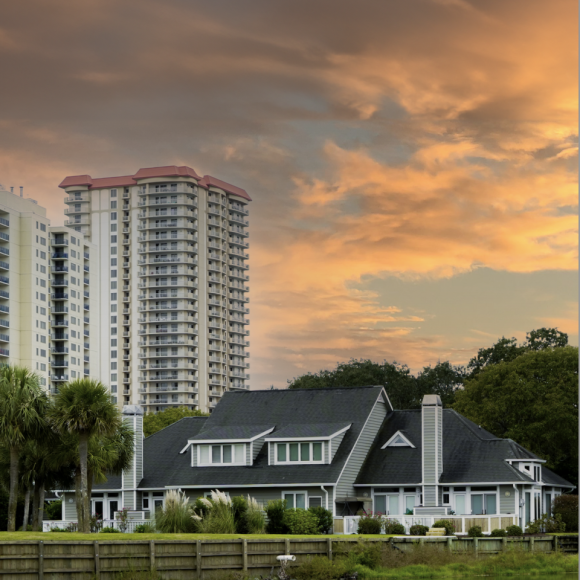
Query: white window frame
x,y
299,443
294,493
221,464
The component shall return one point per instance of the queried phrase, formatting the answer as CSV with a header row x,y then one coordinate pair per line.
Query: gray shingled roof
x,y
470,454
165,466
314,430
231,432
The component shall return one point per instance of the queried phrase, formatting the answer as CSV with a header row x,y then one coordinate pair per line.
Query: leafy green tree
x,y
443,379
22,407
399,383
508,349
83,408
533,400
153,422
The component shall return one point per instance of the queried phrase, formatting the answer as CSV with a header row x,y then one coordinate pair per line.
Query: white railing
x,y
131,524
462,523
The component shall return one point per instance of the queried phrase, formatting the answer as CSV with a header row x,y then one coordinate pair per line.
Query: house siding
x,y
429,495
70,507
263,494
336,441
507,504
360,451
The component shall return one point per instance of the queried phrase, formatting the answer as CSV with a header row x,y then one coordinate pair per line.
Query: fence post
x,y
531,544
329,548
97,564
152,554
450,544
198,560
40,560
245,555
503,544
555,543
476,547
287,546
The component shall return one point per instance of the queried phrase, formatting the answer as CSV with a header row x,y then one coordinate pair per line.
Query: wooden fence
x,y
200,559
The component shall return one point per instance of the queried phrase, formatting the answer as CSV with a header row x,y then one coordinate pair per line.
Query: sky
x,y
412,163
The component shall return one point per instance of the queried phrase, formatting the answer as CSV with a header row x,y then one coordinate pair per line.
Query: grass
x,y
75,536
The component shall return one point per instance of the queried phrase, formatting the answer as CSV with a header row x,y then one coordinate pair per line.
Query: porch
x,y
462,523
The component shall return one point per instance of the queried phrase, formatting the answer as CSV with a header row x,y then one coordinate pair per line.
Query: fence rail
x,y
197,559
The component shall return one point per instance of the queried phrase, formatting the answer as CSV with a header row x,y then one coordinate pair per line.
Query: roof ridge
x,y
345,388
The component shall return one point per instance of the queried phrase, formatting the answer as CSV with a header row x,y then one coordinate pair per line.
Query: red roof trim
x,y
209,181
148,172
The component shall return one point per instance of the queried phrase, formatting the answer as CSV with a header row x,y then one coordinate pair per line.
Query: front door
x,y
98,508
113,507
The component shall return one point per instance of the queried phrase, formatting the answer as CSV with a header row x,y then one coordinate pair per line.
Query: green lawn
x,y
75,536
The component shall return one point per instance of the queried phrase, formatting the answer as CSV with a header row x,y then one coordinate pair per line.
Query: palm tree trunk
x,y
26,509
35,506
78,499
13,499
83,453
41,507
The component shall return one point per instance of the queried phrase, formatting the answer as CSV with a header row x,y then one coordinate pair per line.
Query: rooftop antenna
x,y
21,191
12,189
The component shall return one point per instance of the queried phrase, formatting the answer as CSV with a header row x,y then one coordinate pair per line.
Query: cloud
x,y
419,140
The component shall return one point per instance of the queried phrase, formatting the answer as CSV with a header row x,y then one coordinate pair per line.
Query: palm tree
x,y
22,408
83,408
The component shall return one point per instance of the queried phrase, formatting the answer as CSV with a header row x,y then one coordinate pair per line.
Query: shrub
x,y
393,527
447,524
475,532
321,568
418,530
175,517
254,521
275,510
324,516
110,531
370,524
95,523
514,531
240,507
567,506
60,530
546,523
498,533
53,510
219,519
301,521
144,529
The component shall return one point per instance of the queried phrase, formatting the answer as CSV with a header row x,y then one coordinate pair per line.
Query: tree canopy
x,y
153,422
532,399
405,391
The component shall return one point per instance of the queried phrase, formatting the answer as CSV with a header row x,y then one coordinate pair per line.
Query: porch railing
x,y
131,524
462,523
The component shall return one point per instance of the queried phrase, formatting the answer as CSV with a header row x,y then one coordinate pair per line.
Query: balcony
x,y
59,378
4,250
59,268
59,296
58,283
59,336
4,265
4,223
74,199
59,323
4,338
59,364
76,222
4,352
4,280
59,256
59,349
55,242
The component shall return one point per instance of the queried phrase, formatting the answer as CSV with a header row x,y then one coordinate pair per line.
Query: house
x,y
342,448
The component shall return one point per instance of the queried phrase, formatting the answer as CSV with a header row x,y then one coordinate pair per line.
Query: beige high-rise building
x,y
36,286
173,283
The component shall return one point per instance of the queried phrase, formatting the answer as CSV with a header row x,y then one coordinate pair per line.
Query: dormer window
x,y
398,440
307,452
221,454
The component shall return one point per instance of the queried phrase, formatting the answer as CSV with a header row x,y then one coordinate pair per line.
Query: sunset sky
x,y
413,163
